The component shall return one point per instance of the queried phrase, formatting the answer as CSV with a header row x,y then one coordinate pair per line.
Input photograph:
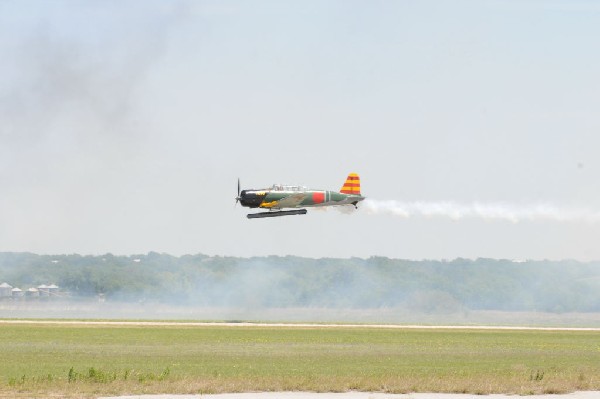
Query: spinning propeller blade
x,y
237,199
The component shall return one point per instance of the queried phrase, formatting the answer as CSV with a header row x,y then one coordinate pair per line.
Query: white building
x,y
5,290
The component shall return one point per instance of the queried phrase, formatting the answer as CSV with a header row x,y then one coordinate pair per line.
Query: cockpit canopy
x,y
283,187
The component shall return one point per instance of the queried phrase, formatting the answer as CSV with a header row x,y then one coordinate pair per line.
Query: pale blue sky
x,y
125,124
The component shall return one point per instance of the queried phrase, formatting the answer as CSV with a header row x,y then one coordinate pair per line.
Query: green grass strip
x,y
80,360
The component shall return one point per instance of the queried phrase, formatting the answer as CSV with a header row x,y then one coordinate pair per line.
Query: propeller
x,y
237,199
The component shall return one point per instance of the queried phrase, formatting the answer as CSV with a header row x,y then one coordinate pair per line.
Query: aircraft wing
x,y
291,201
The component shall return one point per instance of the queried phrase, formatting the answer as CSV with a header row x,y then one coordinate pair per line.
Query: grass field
x,y
80,360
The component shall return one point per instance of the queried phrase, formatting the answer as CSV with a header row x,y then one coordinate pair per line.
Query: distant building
x,y
43,290
17,293
32,293
5,290
53,290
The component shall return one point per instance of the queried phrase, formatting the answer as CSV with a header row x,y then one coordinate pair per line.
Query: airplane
x,y
279,197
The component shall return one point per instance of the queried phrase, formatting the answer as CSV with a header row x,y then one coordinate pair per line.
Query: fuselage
x,y
282,196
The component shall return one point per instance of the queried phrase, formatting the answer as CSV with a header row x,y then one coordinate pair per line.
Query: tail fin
x,y
352,185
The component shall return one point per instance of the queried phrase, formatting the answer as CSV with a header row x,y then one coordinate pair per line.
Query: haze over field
x,y
473,125
376,290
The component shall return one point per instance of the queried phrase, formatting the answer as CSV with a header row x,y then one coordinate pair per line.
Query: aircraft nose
x,y
251,199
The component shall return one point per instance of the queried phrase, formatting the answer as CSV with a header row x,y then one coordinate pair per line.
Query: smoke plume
x,y
487,211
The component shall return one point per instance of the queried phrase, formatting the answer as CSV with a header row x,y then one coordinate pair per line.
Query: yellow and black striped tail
x,y
352,185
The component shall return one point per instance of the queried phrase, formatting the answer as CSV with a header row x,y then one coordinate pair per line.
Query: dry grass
x,y
78,361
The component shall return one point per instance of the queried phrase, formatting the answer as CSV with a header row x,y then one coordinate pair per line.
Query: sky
x,y
124,126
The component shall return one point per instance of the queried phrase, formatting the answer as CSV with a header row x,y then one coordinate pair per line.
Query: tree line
x,y
273,281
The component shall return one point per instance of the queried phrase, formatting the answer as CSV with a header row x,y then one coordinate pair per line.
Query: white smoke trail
x,y
486,211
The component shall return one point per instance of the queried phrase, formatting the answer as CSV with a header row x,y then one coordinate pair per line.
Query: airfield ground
x,y
358,395
101,359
